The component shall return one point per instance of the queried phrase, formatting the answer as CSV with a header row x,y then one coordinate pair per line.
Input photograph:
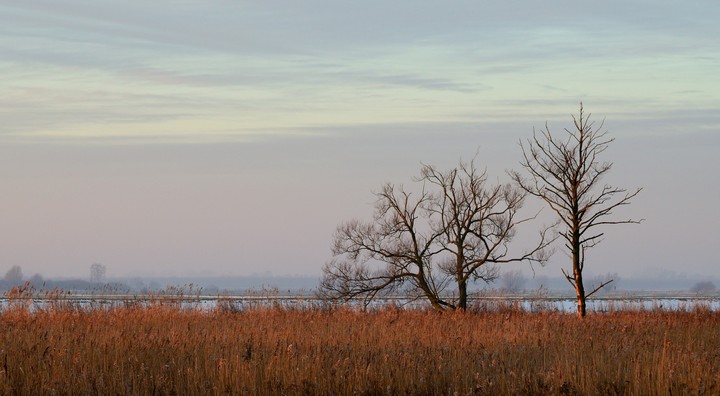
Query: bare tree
x,y
14,275
512,281
703,287
97,273
566,174
476,223
431,245
599,279
37,280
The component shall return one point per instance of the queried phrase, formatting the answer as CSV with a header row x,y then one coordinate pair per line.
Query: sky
x,y
232,137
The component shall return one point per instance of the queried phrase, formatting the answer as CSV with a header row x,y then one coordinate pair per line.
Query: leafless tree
x,y
703,287
566,173
37,280
14,275
512,281
97,273
476,223
599,279
430,245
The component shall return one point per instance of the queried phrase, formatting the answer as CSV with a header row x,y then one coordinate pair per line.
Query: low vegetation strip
x,y
164,350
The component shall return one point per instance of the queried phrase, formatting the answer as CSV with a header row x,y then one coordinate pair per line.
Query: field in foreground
x,y
162,349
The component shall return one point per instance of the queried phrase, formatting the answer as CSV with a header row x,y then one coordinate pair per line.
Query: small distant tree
x,y
512,281
431,245
703,287
36,280
97,273
566,173
595,281
14,275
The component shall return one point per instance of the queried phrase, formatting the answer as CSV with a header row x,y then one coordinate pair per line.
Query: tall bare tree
x,y
566,173
431,245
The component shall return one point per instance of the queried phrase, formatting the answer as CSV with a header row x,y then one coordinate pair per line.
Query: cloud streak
x,y
263,66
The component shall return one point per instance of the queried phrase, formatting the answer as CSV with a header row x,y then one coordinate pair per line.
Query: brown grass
x,y
161,349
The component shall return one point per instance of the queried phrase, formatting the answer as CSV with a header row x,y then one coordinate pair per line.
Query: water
x,y
242,302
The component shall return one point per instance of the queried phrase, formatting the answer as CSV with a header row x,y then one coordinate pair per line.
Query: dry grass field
x,y
161,349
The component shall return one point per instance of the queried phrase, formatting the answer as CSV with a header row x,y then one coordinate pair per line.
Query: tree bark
x,y
462,291
577,274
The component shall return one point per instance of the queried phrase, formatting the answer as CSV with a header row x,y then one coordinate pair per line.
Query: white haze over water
x,y
211,138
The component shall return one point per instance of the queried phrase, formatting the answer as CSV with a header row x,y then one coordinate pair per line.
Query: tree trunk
x,y
434,299
580,292
577,274
462,291
436,305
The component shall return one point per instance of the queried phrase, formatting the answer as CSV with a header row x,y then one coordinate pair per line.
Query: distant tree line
x,y
14,277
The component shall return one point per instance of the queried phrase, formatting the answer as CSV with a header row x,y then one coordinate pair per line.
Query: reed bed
x,y
161,349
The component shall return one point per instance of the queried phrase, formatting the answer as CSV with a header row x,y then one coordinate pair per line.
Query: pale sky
x,y
231,137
